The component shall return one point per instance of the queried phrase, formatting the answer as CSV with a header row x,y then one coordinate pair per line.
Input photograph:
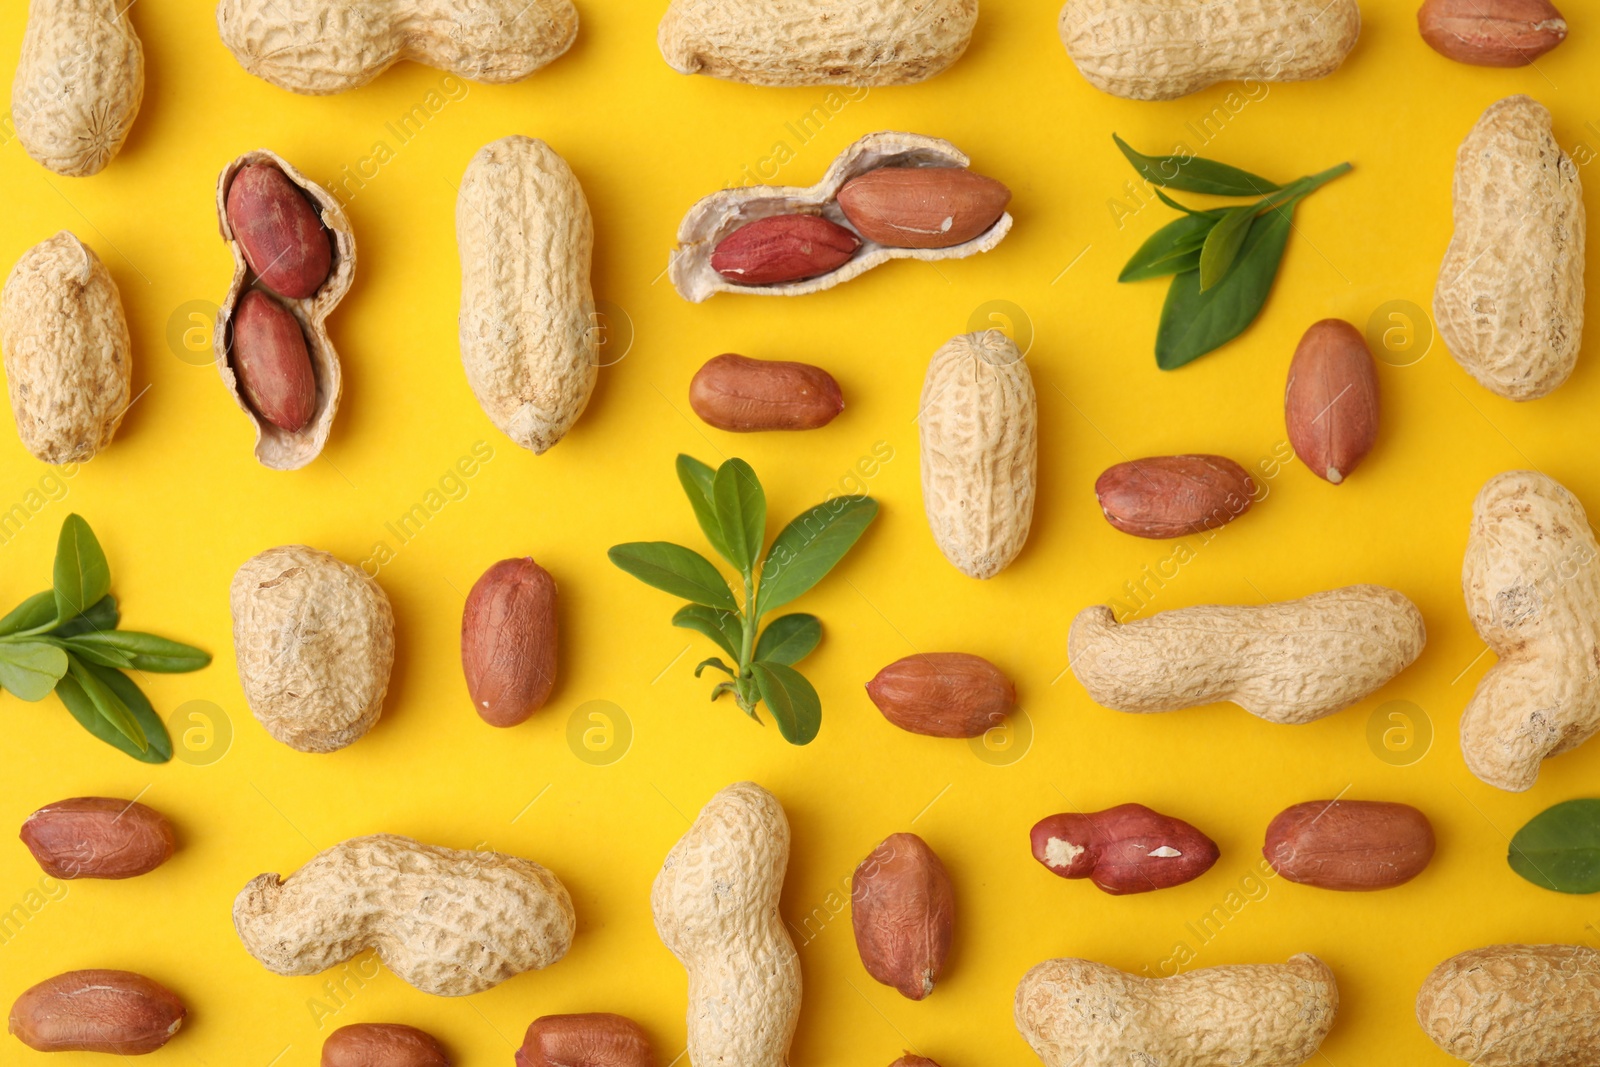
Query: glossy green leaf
x,y
158,748
36,612
789,639
697,479
1194,174
108,703
1223,244
723,627
91,653
82,575
741,508
789,698
714,662
1170,250
146,652
1194,323
1560,848
31,669
102,615
676,570
810,546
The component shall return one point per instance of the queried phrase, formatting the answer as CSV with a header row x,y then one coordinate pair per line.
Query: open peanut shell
x,y
718,215
275,447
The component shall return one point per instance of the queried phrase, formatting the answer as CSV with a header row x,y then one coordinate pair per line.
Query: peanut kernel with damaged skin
x,y
1126,849
922,207
594,1039
98,837
1491,33
783,248
902,908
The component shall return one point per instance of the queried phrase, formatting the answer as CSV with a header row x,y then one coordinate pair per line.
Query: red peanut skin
x,y
1174,496
943,694
382,1045
119,1012
1351,845
922,207
272,363
902,906
595,1039
283,238
98,837
743,395
783,248
1331,401
508,641
908,1060
1116,845
1491,33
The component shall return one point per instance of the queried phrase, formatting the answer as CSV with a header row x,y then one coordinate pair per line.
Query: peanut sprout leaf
x,y
159,746
808,548
35,613
791,700
102,615
110,706
789,639
723,627
91,653
676,570
1223,244
741,508
82,575
145,652
1193,174
1560,848
30,669
1177,242
697,479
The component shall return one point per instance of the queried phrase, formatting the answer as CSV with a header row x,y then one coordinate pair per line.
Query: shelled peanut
x,y
1173,496
1126,849
116,1012
1491,33
508,641
98,837
1349,844
382,1045
902,907
943,694
1331,400
742,395
593,1039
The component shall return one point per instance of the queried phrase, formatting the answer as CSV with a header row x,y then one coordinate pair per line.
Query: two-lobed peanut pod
x,y
1516,1006
79,83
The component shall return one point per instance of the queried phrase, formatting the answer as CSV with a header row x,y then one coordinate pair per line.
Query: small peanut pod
x,y
1509,302
450,922
67,352
1126,849
744,395
1076,1013
596,1039
902,906
1174,496
116,1012
329,46
382,1045
980,462
1516,1006
1291,662
314,638
79,83
716,909
1350,844
98,837
527,310
801,42
943,694
508,641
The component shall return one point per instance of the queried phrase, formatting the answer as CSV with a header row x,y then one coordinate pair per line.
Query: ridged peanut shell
x,y
314,639
79,83
1516,1006
1164,49
67,353
1531,576
979,420
816,42
447,921
528,341
1291,662
1509,303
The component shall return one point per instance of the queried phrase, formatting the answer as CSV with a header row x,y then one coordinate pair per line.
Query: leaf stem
x,y
748,641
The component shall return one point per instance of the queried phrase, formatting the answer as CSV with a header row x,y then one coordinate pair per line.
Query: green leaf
x,y
697,479
37,611
145,652
106,657
789,639
1170,250
1223,244
108,703
1195,175
676,570
724,627
790,699
699,668
159,746
808,548
103,615
82,575
1194,323
1216,212
741,512
1560,848
30,669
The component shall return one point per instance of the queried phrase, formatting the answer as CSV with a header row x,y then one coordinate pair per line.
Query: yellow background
x,y
179,503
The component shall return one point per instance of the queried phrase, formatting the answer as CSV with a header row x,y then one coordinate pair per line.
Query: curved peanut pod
x,y
1509,302
79,83
1076,1013
804,42
328,46
1290,662
527,309
1516,1006
716,909
1163,49
1532,581
448,921
980,462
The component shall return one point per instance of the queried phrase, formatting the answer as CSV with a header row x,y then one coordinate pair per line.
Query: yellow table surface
x,y
179,502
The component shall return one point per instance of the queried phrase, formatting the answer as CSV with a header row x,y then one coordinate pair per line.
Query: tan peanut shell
x,y
979,420
1532,582
716,909
1291,662
450,922
79,83
716,216
527,310
1516,1006
1509,303
314,638
328,46
816,42
277,448
1076,1013
1164,49
68,357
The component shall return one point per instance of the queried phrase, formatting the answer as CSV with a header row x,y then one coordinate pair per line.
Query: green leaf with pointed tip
x,y
1223,244
103,615
672,568
159,746
790,699
1193,174
715,662
82,575
723,627
1170,250
31,669
108,703
146,652
37,611
1560,848
105,657
741,508
789,639
697,479
810,546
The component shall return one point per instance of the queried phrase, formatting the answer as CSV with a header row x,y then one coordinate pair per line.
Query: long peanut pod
x,y
1516,1006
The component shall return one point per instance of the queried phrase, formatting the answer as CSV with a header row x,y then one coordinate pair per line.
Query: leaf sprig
x,y
731,508
1560,848
66,639
1223,260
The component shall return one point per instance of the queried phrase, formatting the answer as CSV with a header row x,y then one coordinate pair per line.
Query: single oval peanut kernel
x,y
783,248
943,694
922,207
1126,849
508,641
382,1045
1174,496
284,240
98,837
902,906
742,395
1331,401
912,1060
272,362
1491,33
594,1039
1350,844
119,1012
